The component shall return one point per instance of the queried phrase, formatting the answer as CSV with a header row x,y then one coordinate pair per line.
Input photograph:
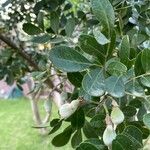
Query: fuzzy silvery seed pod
x,y
75,104
117,115
109,135
67,110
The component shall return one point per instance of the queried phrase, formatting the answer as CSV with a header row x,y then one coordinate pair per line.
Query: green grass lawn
x,y
16,132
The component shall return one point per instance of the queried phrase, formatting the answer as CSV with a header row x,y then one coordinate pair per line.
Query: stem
x,y
122,8
135,95
120,25
146,74
106,109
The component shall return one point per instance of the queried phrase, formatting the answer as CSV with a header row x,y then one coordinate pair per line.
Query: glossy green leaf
x,y
54,21
31,29
86,146
89,131
70,26
129,111
68,60
40,19
104,12
115,86
97,143
62,138
93,82
134,88
146,120
124,51
145,59
115,68
112,44
85,95
122,142
41,39
136,103
78,119
141,112
135,135
54,122
138,65
89,45
100,37
145,80
56,126
76,139
98,123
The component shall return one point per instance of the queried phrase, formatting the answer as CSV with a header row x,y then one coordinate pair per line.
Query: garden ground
x,y
16,132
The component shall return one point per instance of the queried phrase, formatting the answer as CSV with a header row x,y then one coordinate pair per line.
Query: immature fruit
x,y
67,110
109,135
75,104
117,115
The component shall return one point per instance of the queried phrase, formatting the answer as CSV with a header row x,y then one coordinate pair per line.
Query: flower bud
x,y
67,110
109,135
117,115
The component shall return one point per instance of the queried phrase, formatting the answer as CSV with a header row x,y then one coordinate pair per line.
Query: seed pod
x,y
67,110
109,135
117,115
75,104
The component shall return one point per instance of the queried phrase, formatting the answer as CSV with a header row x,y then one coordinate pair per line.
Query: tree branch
x,y
19,50
22,53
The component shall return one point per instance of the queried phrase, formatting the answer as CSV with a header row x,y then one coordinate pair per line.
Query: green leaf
x,y
135,135
93,82
54,122
116,68
76,139
89,45
89,131
138,65
112,43
75,78
97,143
135,103
145,59
78,119
134,88
104,12
86,146
41,38
124,51
62,138
142,111
56,126
98,123
85,95
129,111
115,86
70,26
31,29
100,37
145,80
57,40
122,142
146,120
68,60
40,19
54,21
